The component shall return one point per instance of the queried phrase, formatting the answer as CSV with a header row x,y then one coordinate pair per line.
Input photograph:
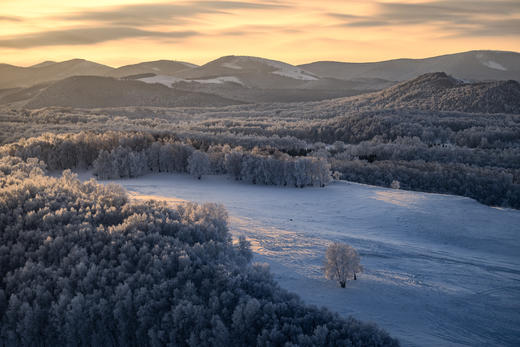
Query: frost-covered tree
x,y
103,165
395,184
233,163
341,263
198,164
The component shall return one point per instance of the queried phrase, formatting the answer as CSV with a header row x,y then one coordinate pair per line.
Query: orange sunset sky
x,y
118,32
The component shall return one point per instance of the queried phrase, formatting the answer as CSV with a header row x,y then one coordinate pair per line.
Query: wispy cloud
x,y
82,36
129,21
10,19
292,30
464,17
161,13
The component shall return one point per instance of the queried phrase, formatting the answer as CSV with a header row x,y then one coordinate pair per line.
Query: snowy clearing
x,y
439,270
161,79
286,70
220,80
169,80
282,69
490,63
232,66
494,65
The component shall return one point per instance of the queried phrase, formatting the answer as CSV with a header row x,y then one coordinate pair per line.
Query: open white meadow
x,y
439,270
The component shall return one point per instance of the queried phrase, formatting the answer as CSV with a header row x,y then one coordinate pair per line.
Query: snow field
x,y
439,270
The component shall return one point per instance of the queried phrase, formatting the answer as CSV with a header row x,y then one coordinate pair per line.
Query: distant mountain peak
x,y
240,65
43,63
481,65
435,80
438,91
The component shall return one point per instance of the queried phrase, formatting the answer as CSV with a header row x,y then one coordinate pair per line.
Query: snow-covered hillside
x,y
168,81
439,270
282,69
468,66
253,72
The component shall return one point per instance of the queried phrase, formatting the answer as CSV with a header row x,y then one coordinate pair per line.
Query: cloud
x,y
84,36
246,30
10,19
161,13
120,22
510,27
465,17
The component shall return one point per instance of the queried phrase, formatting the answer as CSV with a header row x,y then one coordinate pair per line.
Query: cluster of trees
x,y
254,166
278,169
131,154
76,150
488,185
81,265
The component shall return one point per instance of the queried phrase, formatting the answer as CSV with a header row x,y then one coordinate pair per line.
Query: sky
x,y
119,32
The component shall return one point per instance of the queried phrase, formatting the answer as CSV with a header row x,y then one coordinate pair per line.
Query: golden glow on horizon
x,y
118,32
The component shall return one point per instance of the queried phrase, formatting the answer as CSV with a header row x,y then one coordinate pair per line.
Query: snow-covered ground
x,y
161,79
169,80
440,270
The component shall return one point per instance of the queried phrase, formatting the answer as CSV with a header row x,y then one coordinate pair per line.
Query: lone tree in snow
x,y
341,263
198,164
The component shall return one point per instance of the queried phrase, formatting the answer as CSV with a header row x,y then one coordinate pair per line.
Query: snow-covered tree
x,y
233,163
198,164
395,184
103,165
341,263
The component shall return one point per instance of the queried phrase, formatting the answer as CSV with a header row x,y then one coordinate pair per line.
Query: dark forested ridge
x,y
438,91
81,265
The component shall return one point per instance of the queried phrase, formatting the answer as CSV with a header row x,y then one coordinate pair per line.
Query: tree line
x,y
402,145
255,167
114,155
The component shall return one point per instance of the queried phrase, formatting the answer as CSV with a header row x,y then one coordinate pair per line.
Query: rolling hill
x,y
438,91
252,72
432,91
96,91
158,67
470,66
16,76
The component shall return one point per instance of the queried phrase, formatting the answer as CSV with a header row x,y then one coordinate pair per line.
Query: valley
x,y
439,269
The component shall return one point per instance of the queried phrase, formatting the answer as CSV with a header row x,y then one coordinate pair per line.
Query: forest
x,y
80,264
470,154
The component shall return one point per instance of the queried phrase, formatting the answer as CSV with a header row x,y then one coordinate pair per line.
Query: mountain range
x,y
469,66
241,79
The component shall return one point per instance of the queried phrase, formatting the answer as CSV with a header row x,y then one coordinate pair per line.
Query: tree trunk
x,y
355,278
342,284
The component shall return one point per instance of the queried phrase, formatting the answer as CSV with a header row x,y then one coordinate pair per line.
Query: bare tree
x,y
341,263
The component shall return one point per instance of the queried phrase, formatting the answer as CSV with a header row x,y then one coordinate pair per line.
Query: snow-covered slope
x,y
170,80
253,72
281,68
439,270
158,67
96,91
471,66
